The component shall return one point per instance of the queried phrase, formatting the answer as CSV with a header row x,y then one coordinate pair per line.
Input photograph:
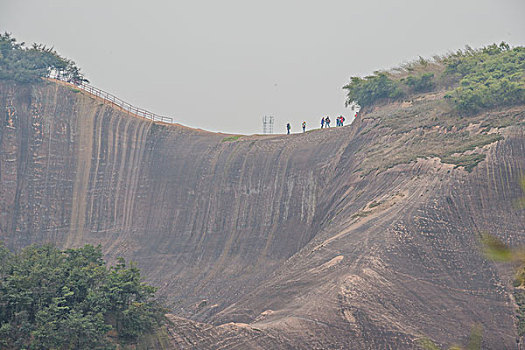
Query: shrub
x,y
421,83
53,299
27,65
368,90
231,138
490,77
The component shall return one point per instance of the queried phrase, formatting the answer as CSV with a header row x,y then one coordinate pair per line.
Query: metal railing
x,y
110,98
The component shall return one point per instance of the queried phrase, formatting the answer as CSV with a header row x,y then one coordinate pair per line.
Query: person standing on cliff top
x,y
304,126
322,122
342,120
327,121
288,128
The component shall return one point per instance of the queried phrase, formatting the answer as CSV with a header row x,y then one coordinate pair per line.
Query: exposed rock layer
x,y
313,240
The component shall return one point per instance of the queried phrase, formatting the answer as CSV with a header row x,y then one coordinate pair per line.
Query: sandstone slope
x,y
358,237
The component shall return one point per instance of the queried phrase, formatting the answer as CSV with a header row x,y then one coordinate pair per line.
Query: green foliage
x,y
490,77
368,90
231,138
52,299
427,344
496,250
520,203
475,341
27,65
519,296
420,83
375,204
476,338
467,161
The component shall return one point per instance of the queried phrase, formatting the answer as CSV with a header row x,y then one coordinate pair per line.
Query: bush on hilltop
x,y
485,78
29,65
491,77
368,90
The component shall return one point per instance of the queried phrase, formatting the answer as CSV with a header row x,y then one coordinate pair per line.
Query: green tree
x,y
368,90
421,83
53,299
490,77
29,65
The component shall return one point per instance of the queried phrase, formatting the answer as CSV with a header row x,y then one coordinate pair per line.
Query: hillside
x,y
365,236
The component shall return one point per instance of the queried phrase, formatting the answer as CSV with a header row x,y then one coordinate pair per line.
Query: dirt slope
x,y
358,237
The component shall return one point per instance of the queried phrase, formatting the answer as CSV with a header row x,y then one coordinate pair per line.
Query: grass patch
x,y
375,204
361,214
429,128
519,295
475,142
231,138
468,161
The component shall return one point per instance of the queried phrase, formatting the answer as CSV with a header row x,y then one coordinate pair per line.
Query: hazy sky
x,y
222,65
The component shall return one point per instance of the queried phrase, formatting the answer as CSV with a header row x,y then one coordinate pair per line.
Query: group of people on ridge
x,y
325,121
289,127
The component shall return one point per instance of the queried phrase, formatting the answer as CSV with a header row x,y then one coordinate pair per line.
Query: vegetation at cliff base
x,y
479,79
26,65
70,299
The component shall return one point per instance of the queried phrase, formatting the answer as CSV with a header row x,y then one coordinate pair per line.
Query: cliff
x,y
363,236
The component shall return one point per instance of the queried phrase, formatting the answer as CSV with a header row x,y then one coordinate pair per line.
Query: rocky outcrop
x,y
355,237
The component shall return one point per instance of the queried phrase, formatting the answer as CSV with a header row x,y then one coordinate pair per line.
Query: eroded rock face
x,y
330,239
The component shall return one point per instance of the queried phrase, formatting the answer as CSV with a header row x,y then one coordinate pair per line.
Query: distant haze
x,y
223,65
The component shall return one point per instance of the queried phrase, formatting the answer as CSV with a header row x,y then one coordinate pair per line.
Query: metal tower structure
x,y
268,124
